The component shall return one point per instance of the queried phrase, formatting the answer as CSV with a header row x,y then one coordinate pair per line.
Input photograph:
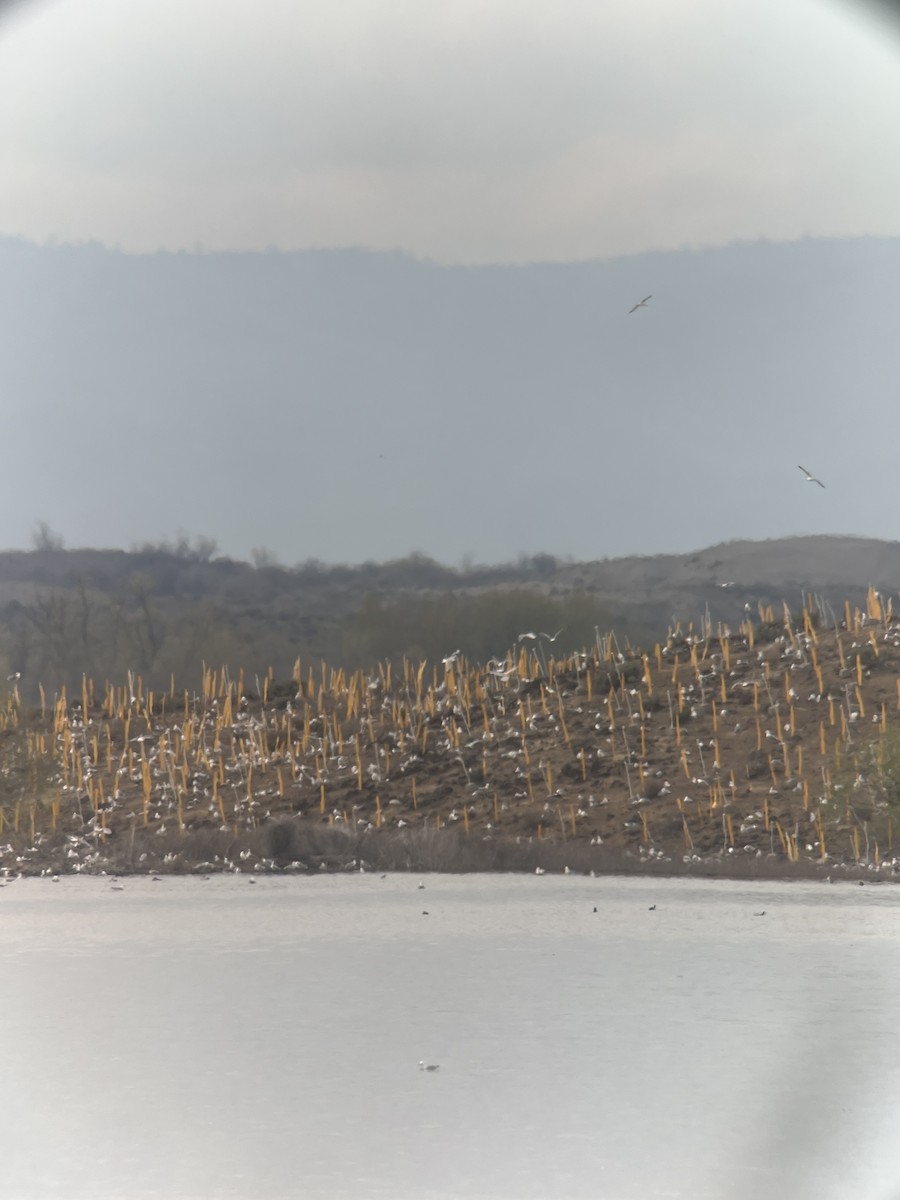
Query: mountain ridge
x,y
335,404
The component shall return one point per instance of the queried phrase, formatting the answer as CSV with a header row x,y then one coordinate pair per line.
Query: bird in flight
x,y
811,478
642,304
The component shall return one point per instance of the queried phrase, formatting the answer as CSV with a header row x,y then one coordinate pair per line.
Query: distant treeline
x,y
166,610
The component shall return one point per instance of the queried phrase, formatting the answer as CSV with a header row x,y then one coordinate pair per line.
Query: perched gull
x,y
811,478
642,304
424,1066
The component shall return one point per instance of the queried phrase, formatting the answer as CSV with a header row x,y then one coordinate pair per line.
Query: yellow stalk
x,y
688,840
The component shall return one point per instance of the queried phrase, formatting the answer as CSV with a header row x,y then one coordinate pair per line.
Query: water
x,y
222,1039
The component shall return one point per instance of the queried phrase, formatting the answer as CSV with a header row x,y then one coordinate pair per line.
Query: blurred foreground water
x,y
184,1038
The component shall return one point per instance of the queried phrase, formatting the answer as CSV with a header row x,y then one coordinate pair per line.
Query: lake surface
x,y
227,1039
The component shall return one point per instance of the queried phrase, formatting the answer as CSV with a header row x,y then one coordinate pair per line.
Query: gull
x,y
503,676
642,304
424,1066
532,637
811,478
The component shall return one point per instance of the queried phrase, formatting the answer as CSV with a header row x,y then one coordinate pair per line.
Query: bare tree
x,y
43,537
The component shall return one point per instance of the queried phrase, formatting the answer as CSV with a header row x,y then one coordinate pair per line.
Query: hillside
x,y
772,747
164,611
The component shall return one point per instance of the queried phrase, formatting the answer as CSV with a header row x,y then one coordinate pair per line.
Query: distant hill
x,y
159,611
347,405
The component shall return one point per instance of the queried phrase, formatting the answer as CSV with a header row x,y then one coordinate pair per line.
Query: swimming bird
x,y
811,478
641,304
651,908
424,1066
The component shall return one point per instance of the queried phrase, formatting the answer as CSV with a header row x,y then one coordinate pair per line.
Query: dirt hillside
x,y
771,746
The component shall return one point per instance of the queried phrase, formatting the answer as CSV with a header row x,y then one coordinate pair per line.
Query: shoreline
x,y
334,852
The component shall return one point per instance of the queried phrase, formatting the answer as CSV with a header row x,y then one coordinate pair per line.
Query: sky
x,y
474,133
483,131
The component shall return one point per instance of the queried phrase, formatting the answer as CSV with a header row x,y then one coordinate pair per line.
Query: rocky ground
x,y
767,749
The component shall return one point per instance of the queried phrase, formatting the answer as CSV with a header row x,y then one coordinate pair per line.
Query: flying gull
x,y
642,304
811,478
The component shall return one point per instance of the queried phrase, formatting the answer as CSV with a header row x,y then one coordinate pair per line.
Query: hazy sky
x,y
472,131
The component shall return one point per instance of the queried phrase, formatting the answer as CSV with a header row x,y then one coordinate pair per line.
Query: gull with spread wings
x,y
811,478
641,304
